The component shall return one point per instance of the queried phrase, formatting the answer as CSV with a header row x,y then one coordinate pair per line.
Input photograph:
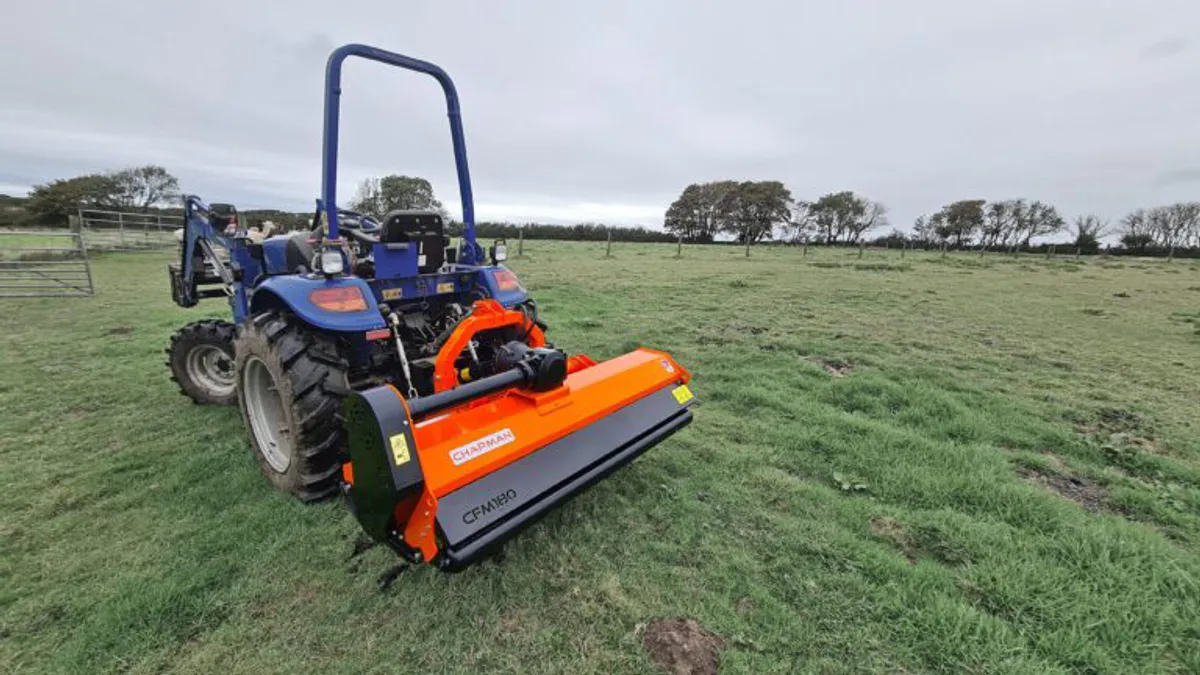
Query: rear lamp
x,y
506,280
340,299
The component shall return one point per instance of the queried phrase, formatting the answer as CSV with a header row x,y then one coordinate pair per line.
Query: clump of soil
x,y
834,367
682,646
119,330
1091,496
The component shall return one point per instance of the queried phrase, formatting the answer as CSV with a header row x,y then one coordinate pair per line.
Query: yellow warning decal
x,y
400,449
682,394
392,293
445,287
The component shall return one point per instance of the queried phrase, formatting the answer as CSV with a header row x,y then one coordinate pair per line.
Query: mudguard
x,y
502,285
292,291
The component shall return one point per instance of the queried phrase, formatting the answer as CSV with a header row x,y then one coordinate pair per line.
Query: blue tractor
x,y
369,356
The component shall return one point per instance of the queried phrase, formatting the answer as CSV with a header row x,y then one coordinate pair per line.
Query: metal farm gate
x,y
118,231
43,263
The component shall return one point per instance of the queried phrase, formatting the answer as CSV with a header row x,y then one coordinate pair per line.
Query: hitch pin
x,y
474,355
395,321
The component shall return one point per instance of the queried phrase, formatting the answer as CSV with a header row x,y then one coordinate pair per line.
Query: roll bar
x,y
471,253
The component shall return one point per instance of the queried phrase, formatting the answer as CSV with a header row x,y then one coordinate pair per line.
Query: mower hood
x,y
445,484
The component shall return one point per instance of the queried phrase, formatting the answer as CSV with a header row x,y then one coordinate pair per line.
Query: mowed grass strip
x,y
898,465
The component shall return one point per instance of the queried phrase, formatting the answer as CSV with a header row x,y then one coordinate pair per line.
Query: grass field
x,y
927,465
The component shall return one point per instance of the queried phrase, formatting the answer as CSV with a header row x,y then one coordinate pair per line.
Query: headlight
x,y
499,251
332,262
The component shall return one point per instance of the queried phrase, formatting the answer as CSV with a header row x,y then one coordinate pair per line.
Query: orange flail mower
x,y
445,477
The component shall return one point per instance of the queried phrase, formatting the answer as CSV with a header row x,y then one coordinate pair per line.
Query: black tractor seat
x,y
298,253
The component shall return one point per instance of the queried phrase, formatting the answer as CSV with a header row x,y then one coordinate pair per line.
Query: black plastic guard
x,y
387,468
481,514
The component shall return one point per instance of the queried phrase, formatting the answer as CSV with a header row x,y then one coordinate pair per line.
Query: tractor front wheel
x,y
290,386
200,357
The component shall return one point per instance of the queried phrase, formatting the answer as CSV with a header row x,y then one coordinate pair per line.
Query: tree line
x,y
154,189
755,211
138,188
739,211
1012,224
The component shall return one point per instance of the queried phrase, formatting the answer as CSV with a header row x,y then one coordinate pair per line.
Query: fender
x,y
502,285
291,292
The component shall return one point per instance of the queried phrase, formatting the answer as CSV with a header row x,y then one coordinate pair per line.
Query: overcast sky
x,y
606,110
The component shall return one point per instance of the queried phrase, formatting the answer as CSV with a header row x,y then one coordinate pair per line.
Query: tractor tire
x,y
200,357
291,382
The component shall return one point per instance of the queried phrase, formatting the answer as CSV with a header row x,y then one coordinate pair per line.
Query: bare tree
x,y
1172,226
1088,230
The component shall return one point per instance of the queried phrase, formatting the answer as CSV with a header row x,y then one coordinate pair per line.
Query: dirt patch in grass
x,y
1091,496
119,330
881,267
834,367
1118,428
682,646
1115,420
748,328
890,529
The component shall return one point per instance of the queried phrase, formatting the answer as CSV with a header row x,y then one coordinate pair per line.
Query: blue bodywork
x,y
257,277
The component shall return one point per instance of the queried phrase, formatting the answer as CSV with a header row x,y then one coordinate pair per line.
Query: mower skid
x,y
469,519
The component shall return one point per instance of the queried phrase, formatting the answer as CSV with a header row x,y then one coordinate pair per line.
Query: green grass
x,y
136,535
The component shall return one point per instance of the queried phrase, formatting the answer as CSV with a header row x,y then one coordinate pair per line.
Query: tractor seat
x,y
298,253
425,229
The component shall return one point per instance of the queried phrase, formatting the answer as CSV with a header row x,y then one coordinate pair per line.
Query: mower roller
x,y
369,357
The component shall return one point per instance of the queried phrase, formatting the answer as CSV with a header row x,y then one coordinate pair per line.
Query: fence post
x,y
903,248
1171,253
608,249
520,242
943,251
679,247
860,250
805,255
1049,252
1078,252
982,248
121,230
747,246
87,264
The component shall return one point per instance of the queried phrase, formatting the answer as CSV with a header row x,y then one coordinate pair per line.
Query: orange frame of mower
x,y
485,315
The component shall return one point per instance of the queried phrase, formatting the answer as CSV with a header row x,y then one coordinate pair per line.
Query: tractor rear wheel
x,y
200,357
291,382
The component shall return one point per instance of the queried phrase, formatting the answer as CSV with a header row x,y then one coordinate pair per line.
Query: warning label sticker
x,y
682,394
482,446
400,449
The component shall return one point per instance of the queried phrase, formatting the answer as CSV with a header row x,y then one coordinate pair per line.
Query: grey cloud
x,y
1178,177
606,111
1165,48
